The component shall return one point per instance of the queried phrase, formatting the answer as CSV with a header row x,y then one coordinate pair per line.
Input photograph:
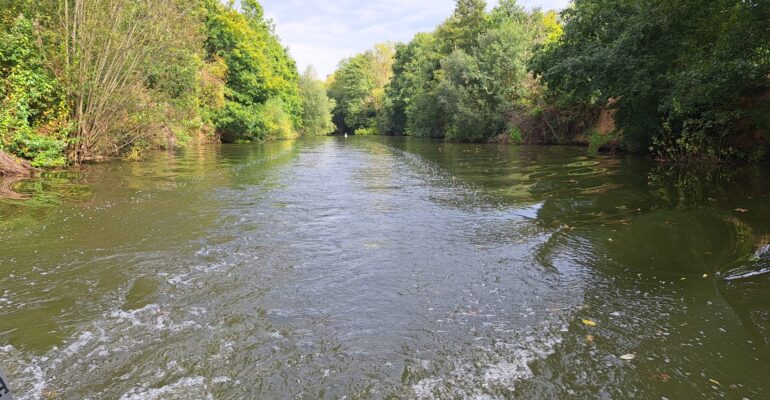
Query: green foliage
x,y
467,80
259,69
42,151
358,89
463,29
367,131
317,107
239,124
675,70
31,123
411,105
275,120
598,142
130,77
516,136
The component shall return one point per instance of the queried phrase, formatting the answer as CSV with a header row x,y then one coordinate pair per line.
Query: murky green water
x,y
386,268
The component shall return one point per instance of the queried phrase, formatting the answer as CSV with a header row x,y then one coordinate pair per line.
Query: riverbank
x,y
11,165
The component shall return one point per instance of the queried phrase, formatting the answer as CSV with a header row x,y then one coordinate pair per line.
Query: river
x,y
391,268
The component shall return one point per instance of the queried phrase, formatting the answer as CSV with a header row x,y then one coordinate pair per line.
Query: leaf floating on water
x,y
705,276
590,338
741,210
628,357
662,376
716,382
588,322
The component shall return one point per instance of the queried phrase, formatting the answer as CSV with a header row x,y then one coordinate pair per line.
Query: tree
x,y
31,99
317,107
358,88
108,48
465,81
260,70
464,27
675,71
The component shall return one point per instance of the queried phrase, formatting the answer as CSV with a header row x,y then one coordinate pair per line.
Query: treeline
x,y
684,80
88,79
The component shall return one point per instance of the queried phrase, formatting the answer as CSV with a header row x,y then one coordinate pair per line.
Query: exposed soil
x,y
14,166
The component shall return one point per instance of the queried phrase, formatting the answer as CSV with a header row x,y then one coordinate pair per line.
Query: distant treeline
x,y
684,80
88,79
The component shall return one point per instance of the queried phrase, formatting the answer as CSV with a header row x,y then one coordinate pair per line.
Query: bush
x,y
33,122
237,122
43,151
516,136
274,121
240,124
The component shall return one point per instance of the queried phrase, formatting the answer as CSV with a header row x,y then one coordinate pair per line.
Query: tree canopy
x,y
674,71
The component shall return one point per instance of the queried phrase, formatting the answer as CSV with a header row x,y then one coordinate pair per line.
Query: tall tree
x,y
358,87
317,107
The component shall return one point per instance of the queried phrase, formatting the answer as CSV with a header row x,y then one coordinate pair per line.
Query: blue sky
x,y
322,32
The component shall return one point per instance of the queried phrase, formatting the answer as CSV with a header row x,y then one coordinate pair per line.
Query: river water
x,y
386,268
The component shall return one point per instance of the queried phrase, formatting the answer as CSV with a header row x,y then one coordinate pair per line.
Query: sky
x,y
323,32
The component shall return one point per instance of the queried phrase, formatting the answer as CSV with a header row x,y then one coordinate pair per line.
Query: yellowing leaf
x,y
590,338
715,382
588,322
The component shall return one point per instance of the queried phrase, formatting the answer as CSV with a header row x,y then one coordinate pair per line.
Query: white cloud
x,y
323,32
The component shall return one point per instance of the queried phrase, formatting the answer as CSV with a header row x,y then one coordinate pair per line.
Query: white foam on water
x,y
507,365
221,379
188,278
30,380
185,388
115,332
157,318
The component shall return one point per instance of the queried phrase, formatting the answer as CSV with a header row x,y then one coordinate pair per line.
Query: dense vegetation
x,y
684,77
467,80
685,80
317,107
87,79
358,88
